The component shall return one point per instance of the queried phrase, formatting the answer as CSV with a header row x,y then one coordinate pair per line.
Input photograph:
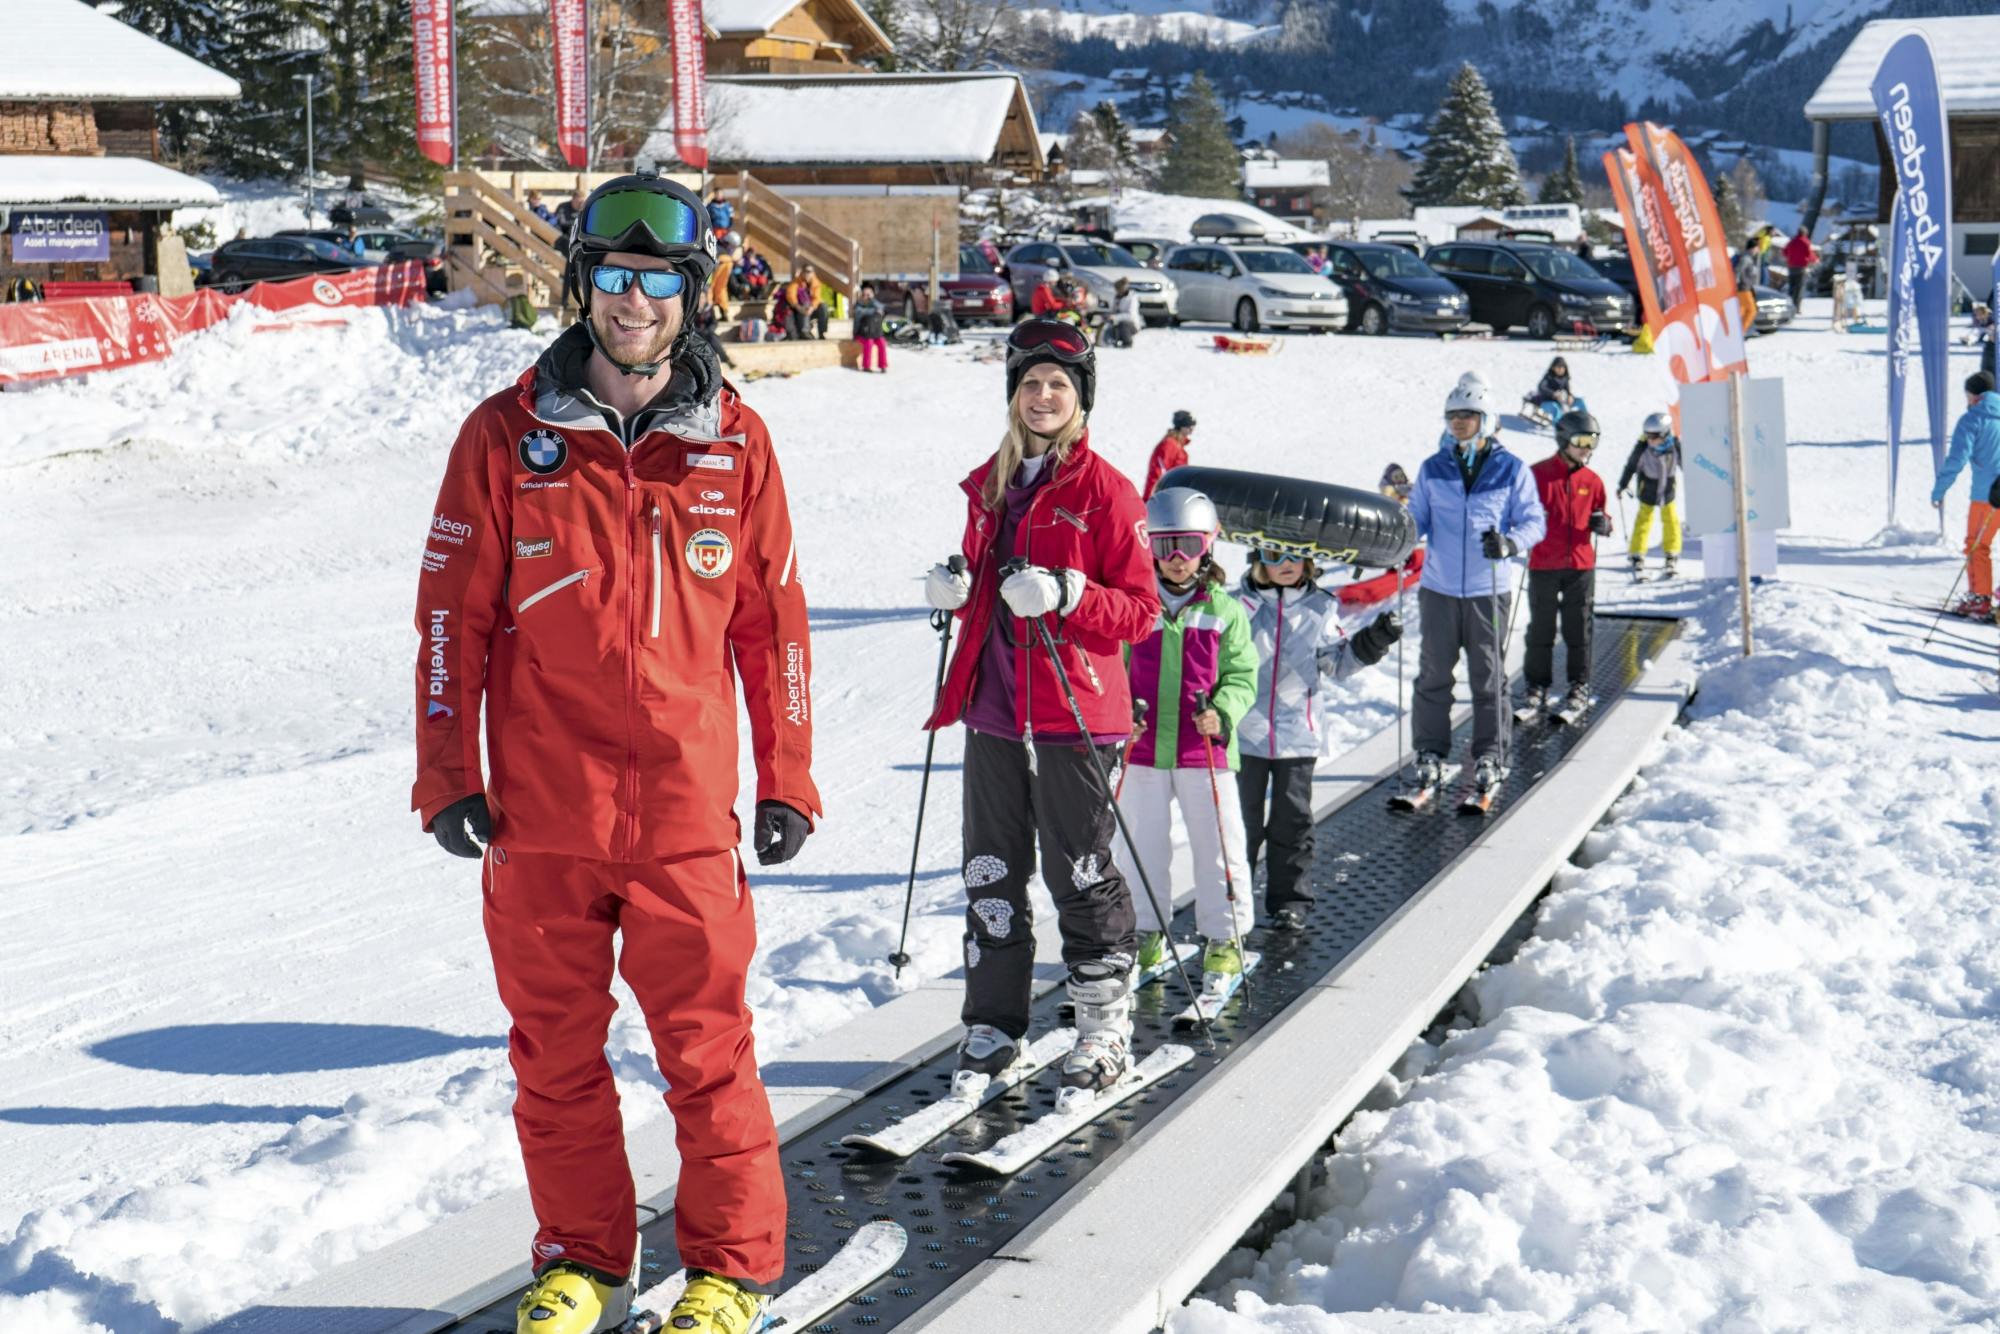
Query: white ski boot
x,y
1101,989
983,1053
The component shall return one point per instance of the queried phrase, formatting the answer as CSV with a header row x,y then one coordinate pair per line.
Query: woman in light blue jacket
x,y
1295,628
1476,504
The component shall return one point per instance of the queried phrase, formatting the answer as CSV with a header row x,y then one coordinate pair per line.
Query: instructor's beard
x,y
622,351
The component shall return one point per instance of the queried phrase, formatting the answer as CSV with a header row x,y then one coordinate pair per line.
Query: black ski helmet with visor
x,y
642,214
1036,342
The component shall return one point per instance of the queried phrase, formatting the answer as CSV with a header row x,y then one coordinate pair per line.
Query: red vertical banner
x,y
690,85
570,21
1703,244
432,32
1661,289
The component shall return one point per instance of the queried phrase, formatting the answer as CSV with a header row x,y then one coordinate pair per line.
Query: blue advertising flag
x,y
1911,107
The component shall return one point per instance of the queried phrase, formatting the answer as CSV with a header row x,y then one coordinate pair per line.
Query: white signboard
x,y
1709,470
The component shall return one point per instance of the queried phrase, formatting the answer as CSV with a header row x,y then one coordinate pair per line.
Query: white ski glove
x,y
1037,592
947,589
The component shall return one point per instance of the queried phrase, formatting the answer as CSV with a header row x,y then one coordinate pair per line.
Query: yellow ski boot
x,y
712,1304
569,1299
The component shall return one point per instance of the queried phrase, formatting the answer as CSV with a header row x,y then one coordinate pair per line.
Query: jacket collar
x,y
556,391
975,481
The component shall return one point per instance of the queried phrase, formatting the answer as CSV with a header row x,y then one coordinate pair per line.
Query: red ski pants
x,y
689,933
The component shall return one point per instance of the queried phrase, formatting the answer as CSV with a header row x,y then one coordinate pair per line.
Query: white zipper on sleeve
x,y
656,572
555,587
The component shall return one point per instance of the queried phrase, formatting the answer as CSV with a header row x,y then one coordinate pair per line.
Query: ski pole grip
x,y
1015,566
956,564
1201,701
1140,708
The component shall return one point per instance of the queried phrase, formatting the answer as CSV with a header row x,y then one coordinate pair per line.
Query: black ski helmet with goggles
x,y
1039,342
1574,428
641,214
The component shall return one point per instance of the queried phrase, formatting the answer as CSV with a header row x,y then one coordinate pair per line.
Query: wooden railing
x,y
496,246
787,234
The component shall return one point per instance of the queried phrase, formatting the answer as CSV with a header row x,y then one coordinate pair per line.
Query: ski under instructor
x,y
1476,504
611,549
1045,498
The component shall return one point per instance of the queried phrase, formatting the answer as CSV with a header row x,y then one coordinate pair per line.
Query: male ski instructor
x,y
611,549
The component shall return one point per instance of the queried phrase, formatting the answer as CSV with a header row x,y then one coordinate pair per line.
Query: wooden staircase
x,y
785,232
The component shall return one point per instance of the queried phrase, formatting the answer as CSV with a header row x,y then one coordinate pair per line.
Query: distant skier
x,y
1655,463
1200,648
1975,440
1475,502
1301,647
1171,452
581,591
1028,776
1562,567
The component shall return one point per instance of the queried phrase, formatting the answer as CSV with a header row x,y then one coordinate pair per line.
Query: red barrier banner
x,y
435,41
1720,326
690,85
570,21
46,340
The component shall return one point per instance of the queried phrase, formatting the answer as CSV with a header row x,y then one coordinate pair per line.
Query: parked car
x,y
360,211
977,295
1098,265
1528,283
1388,289
1252,286
1774,308
387,247
1148,250
237,264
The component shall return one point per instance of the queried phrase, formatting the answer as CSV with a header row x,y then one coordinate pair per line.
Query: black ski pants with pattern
x,y
1064,806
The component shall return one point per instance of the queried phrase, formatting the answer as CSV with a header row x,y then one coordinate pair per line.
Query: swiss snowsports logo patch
x,y
709,553
543,452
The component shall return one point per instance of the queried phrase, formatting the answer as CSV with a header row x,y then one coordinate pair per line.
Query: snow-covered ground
x,y
248,1029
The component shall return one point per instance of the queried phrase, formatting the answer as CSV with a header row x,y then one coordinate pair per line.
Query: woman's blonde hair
x,y
1014,448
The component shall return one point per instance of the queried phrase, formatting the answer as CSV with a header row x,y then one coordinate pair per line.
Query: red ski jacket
x,y
1167,455
597,603
1569,498
1085,517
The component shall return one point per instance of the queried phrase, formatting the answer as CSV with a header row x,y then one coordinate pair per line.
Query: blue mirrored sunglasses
x,y
616,280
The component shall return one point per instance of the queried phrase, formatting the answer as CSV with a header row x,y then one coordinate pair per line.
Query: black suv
x,y
237,264
1388,288
1543,288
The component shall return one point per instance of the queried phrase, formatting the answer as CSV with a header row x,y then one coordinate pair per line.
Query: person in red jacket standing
x,y
1562,567
1171,452
1799,258
611,550
1045,498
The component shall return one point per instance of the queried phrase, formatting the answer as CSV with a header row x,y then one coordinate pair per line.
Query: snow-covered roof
x,y
1128,75
66,49
1287,173
1143,135
1968,66
813,119
757,16
115,182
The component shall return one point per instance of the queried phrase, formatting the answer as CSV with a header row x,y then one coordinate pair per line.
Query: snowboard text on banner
x,y
435,39
1911,107
690,85
570,21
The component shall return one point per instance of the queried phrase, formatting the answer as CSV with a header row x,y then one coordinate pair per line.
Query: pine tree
x,y
1467,159
367,118
1728,208
1201,157
1117,135
888,16
1565,186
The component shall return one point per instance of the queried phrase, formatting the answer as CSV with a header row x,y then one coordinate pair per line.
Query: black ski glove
x,y
1600,523
1496,546
1993,493
1374,638
779,833
449,826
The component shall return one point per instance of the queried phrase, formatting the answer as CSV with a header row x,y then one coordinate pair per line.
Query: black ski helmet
x,y
1572,424
646,214
1036,342
1183,419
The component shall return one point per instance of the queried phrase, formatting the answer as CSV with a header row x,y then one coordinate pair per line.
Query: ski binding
x,y
1046,1131
868,1255
901,1138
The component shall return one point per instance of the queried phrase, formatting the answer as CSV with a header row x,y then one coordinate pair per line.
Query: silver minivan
x,y
1253,286
1097,265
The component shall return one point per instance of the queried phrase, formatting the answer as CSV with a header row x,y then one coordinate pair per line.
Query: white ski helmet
x,y
1471,395
1181,509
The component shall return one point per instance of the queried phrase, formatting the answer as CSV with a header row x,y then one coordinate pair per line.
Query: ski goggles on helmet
x,y
1273,556
1061,339
1583,440
1190,546
1463,415
610,220
616,280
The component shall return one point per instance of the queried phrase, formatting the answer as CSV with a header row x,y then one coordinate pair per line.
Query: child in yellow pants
x,y
1655,464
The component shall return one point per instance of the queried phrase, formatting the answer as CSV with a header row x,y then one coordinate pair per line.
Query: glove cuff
x,y
1072,582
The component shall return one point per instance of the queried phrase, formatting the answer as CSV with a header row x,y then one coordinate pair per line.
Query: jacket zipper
x,y
1277,663
656,571
631,812
555,587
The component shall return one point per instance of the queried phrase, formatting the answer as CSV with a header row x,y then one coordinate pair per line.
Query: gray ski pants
x,y
1453,627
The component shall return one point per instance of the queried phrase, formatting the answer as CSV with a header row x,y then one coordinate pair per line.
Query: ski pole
x,y
1202,704
1041,625
1963,566
940,622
